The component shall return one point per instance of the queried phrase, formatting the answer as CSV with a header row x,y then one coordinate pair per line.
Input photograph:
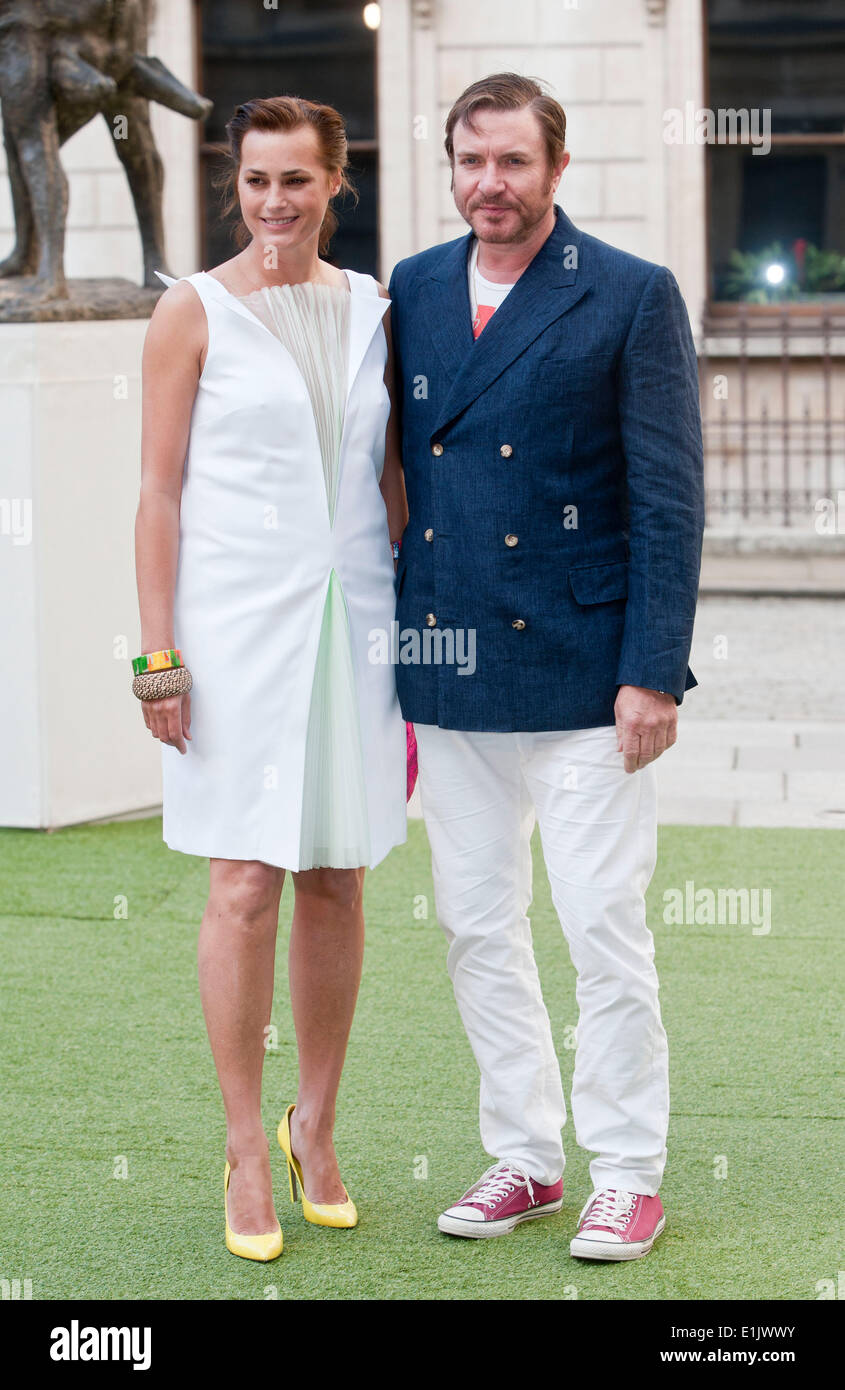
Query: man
x,y
553,464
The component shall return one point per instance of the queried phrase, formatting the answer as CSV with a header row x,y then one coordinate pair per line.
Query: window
x,y
777,213
318,49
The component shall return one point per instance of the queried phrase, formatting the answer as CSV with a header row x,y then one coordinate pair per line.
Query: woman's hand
x,y
169,720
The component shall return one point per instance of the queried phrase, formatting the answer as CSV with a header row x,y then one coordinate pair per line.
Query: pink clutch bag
x,y
412,759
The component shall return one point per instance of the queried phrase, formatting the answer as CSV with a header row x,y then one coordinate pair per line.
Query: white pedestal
x,y
74,743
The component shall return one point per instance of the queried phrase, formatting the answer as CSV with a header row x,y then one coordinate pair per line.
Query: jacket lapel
x,y
546,289
446,315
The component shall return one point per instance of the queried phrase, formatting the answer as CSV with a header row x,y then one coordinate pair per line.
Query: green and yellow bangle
x,y
157,661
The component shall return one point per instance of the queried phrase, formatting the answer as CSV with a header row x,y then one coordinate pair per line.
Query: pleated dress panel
x,y
298,749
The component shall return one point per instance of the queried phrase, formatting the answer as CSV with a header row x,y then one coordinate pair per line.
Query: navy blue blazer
x,y
554,475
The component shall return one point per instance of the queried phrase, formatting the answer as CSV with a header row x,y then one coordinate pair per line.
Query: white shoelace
x,y
504,1178
611,1207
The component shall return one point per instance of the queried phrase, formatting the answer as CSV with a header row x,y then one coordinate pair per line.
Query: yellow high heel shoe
x,y
339,1214
266,1246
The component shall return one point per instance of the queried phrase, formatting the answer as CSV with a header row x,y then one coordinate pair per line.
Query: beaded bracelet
x,y
157,685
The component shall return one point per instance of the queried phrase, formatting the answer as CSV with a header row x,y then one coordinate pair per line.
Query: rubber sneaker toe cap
x,y
465,1213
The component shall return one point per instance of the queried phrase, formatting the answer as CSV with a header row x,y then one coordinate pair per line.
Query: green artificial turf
x,y
106,1068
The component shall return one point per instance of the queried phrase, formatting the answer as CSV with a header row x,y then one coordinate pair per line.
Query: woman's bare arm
x,y
393,478
174,353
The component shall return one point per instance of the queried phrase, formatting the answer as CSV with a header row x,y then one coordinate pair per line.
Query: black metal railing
x,y
773,422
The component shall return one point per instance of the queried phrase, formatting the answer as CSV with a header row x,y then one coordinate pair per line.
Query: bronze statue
x,y
62,62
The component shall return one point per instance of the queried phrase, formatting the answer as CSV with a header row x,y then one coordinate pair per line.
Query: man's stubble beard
x,y
523,232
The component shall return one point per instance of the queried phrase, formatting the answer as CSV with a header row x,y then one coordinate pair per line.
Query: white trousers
x,y
480,795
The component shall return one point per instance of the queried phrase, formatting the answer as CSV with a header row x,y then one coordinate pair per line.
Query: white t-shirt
x,y
485,296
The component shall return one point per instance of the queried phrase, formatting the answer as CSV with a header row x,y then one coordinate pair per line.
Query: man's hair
x,y
507,91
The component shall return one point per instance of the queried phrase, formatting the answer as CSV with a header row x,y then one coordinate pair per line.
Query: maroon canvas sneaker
x,y
502,1197
617,1225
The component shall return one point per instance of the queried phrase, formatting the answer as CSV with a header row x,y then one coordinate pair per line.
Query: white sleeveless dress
x,y
284,584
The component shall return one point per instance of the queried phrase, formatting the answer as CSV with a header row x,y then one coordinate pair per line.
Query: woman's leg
x,y
326,954
236,955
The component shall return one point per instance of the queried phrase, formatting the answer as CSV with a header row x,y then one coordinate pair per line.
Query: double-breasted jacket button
x,y
506,450
429,534
511,540
518,623
437,450
431,620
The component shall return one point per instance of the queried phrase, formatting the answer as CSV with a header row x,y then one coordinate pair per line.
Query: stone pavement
x,y
784,562
750,772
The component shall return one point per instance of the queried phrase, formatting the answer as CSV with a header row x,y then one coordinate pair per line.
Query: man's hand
x,y
646,724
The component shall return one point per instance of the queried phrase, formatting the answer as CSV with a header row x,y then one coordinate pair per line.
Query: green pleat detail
x,y
335,826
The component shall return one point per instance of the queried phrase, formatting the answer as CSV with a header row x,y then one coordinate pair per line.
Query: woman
x,y
269,561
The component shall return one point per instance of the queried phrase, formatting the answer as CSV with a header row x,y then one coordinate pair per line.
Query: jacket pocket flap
x,y
599,583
